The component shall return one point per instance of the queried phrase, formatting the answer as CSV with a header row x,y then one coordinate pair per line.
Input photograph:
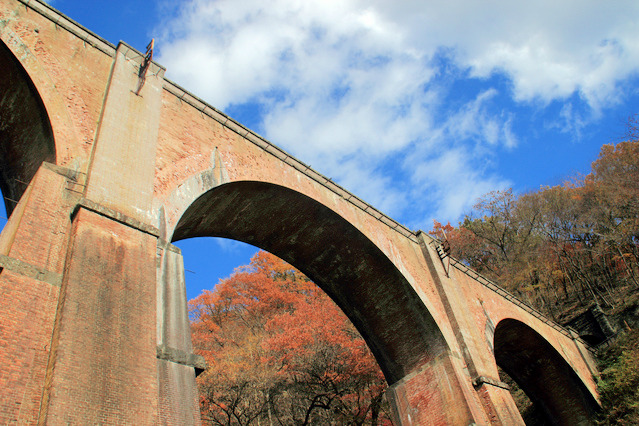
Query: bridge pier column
x,y
32,252
78,310
103,363
498,405
437,393
498,402
177,366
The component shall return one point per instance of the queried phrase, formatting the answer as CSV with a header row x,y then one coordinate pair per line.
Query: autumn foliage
x,y
280,351
619,382
564,246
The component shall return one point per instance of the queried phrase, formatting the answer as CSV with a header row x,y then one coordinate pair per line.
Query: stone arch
x,y
349,267
26,135
543,373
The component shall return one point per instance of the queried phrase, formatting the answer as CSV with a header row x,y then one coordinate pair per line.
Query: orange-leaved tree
x,y
279,351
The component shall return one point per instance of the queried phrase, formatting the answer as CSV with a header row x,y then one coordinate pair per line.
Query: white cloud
x,y
228,246
474,121
548,48
351,86
451,181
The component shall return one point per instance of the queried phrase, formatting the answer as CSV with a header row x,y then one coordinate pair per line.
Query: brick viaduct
x,y
100,180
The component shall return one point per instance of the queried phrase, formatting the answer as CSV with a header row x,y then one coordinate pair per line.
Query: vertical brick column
x,y
32,251
497,402
178,396
122,167
437,393
103,365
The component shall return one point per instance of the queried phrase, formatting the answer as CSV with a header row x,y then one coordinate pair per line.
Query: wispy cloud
x,y
363,92
229,246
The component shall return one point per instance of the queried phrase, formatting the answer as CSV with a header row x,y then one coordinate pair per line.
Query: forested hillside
x,y
560,248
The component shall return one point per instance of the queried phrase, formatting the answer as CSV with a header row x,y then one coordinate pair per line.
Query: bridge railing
x,y
460,266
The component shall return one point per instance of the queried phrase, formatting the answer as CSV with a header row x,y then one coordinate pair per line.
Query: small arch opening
x,y
557,393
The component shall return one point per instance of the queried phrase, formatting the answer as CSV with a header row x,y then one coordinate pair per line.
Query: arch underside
x,y
335,255
26,137
543,374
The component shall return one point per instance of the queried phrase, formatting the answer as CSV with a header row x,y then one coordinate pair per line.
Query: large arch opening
x,y
313,366
343,262
26,137
543,374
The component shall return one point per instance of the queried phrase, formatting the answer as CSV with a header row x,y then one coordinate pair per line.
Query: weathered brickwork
x,y
93,319
27,312
436,395
104,368
42,236
499,404
178,399
33,247
69,73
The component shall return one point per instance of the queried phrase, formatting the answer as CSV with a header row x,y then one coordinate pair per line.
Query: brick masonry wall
x,y
69,73
105,367
27,312
499,405
33,247
179,400
437,394
42,236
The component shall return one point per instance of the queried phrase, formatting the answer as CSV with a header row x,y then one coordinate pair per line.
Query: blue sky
x,y
418,107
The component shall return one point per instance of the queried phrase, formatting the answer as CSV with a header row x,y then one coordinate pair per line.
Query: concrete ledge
x,y
115,215
28,270
166,245
64,171
180,357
